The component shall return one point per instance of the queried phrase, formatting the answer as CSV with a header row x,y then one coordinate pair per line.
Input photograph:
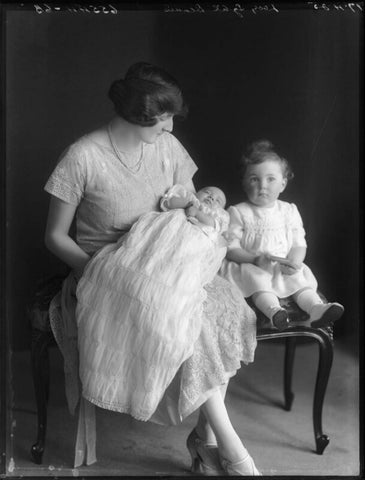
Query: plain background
x,y
291,76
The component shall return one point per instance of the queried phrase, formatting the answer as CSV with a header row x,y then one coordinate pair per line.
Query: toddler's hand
x,y
263,261
289,269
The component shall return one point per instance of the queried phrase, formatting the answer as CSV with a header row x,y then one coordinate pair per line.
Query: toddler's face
x,y
212,196
264,182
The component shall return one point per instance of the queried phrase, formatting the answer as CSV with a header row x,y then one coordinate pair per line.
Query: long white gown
x,y
139,310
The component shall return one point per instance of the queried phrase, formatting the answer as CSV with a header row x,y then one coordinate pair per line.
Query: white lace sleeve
x,y
178,191
67,181
221,218
235,230
296,226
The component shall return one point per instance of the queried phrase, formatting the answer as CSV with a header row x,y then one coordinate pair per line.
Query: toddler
x,y
266,243
145,294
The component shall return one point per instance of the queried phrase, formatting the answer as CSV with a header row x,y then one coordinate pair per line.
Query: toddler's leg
x,y
320,314
268,303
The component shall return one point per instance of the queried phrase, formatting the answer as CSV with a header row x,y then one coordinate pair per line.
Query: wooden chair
x,y
42,339
299,327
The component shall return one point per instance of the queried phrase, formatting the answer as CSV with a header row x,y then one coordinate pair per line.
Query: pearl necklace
x,y
120,155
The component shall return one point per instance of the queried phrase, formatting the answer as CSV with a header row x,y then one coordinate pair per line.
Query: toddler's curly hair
x,y
260,151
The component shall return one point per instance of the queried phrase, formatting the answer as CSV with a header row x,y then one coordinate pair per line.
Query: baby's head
x,y
264,173
213,197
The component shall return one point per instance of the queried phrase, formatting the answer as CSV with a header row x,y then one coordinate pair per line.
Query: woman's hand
x,y
191,211
177,202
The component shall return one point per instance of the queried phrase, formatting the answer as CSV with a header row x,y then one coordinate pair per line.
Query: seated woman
x,y
106,181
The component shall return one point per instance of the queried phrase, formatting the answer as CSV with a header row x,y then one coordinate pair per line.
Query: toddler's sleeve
x,y
235,230
296,227
67,181
222,220
177,191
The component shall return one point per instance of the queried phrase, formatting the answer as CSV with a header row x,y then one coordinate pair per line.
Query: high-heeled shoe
x,y
243,468
204,456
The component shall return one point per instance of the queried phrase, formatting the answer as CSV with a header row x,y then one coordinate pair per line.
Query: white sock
x,y
307,299
268,303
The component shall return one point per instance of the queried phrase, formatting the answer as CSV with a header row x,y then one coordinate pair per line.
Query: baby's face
x,y
264,182
213,197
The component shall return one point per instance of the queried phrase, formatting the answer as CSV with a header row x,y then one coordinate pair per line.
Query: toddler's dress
x,y
139,306
273,230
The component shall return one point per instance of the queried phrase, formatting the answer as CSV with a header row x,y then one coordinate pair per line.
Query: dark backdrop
x,y
291,76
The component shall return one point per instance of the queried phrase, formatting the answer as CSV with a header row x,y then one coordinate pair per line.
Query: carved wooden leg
x,y
290,344
325,341
40,371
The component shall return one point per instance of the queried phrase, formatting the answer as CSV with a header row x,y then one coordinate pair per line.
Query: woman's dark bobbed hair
x,y
145,93
261,150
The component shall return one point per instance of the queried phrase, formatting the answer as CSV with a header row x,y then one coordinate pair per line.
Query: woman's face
x,y
164,124
264,182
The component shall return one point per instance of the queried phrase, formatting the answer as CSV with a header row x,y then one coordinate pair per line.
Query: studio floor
x,y
282,443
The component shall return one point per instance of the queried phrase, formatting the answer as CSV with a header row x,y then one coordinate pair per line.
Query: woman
x,y
106,181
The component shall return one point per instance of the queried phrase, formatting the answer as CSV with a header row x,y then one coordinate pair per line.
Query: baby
x,y
267,244
205,208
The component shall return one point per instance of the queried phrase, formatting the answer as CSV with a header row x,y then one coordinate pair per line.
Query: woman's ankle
x,y
206,434
232,450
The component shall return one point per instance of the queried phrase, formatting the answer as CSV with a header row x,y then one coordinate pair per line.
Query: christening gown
x,y
274,230
110,198
139,306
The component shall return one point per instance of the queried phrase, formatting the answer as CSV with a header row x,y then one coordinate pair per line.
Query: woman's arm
x,y
189,186
57,238
177,202
180,196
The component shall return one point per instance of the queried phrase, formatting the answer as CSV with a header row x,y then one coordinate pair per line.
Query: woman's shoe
x,y
204,456
243,468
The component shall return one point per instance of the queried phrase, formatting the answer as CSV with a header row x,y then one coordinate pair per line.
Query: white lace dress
x,y
273,230
110,199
